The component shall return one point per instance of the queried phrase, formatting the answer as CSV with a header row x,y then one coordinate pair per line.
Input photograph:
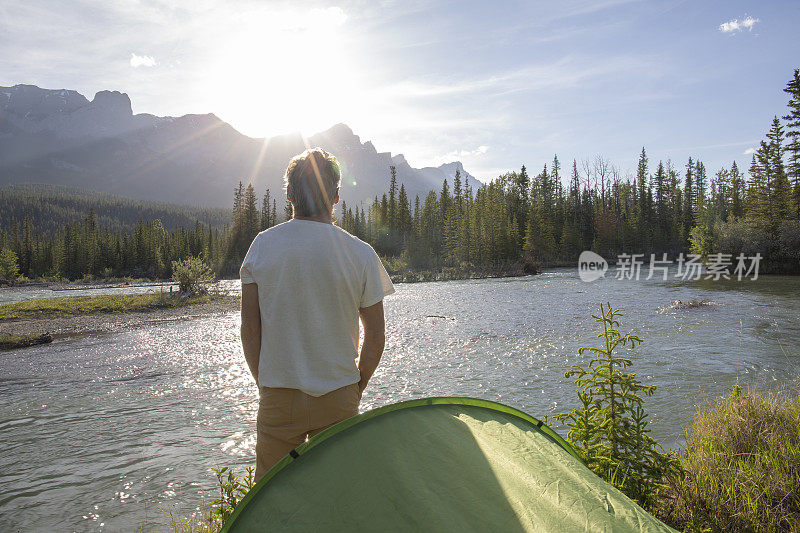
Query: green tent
x,y
437,464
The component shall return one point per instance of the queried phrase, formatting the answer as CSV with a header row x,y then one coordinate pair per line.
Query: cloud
x,y
567,72
749,151
736,25
142,61
456,155
478,151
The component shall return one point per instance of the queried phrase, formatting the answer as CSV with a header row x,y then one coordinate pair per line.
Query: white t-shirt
x,y
312,278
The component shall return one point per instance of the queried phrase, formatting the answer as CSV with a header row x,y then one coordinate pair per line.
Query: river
x,y
99,432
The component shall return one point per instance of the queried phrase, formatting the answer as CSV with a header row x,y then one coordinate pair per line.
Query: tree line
x,y
551,217
89,248
50,207
516,219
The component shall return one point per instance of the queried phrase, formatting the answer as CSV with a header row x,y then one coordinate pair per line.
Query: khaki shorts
x,y
287,417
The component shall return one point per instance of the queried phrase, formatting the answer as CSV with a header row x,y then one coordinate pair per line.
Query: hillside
x,y
61,137
51,207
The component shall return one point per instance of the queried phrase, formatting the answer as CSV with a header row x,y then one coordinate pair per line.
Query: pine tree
x,y
343,220
610,430
758,202
778,184
238,194
457,193
720,199
403,215
792,119
689,198
737,192
250,223
661,212
643,226
266,218
575,189
700,189
555,171
288,211
445,200
392,206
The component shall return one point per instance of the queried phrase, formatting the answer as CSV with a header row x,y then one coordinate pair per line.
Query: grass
x,y
178,524
84,305
741,466
11,342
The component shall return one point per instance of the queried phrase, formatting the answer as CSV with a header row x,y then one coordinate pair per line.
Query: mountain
x,y
60,137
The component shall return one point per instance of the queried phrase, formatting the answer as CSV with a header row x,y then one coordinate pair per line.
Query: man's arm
x,y
251,327
374,340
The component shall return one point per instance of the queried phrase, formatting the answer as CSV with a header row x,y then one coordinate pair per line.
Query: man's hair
x,y
311,180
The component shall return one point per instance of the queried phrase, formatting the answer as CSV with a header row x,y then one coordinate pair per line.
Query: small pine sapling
x,y
609,430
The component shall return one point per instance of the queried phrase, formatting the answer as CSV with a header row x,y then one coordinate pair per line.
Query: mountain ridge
x,y
61,137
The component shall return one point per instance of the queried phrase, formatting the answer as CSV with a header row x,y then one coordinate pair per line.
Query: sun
x,y
286,74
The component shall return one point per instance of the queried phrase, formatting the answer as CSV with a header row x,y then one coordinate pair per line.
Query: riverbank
x,y
60,317
86,283
398,269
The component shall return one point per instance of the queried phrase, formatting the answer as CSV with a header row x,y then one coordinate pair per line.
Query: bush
x,y
9,269
232,489
779,247
742,466
191,275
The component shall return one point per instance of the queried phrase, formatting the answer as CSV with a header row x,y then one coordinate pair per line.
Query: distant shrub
x,y
192,275
9,268
779,247
742,466
789,239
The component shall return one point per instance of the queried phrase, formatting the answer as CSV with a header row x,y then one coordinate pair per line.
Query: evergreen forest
x,y
522,219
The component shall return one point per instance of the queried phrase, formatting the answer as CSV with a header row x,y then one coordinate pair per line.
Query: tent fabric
x,y
437,464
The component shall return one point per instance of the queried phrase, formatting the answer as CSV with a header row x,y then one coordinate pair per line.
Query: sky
x,y
493,84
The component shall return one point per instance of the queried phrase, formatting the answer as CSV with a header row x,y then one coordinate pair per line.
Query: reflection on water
x,y
99,432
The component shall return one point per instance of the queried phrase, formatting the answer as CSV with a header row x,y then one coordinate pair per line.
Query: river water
x,y
103,432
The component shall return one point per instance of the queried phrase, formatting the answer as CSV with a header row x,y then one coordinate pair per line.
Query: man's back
x,y
305,284
312,279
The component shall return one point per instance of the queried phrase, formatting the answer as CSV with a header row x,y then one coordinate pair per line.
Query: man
x,y
305,283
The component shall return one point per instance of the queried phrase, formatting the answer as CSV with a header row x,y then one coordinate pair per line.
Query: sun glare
x,y
285,73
